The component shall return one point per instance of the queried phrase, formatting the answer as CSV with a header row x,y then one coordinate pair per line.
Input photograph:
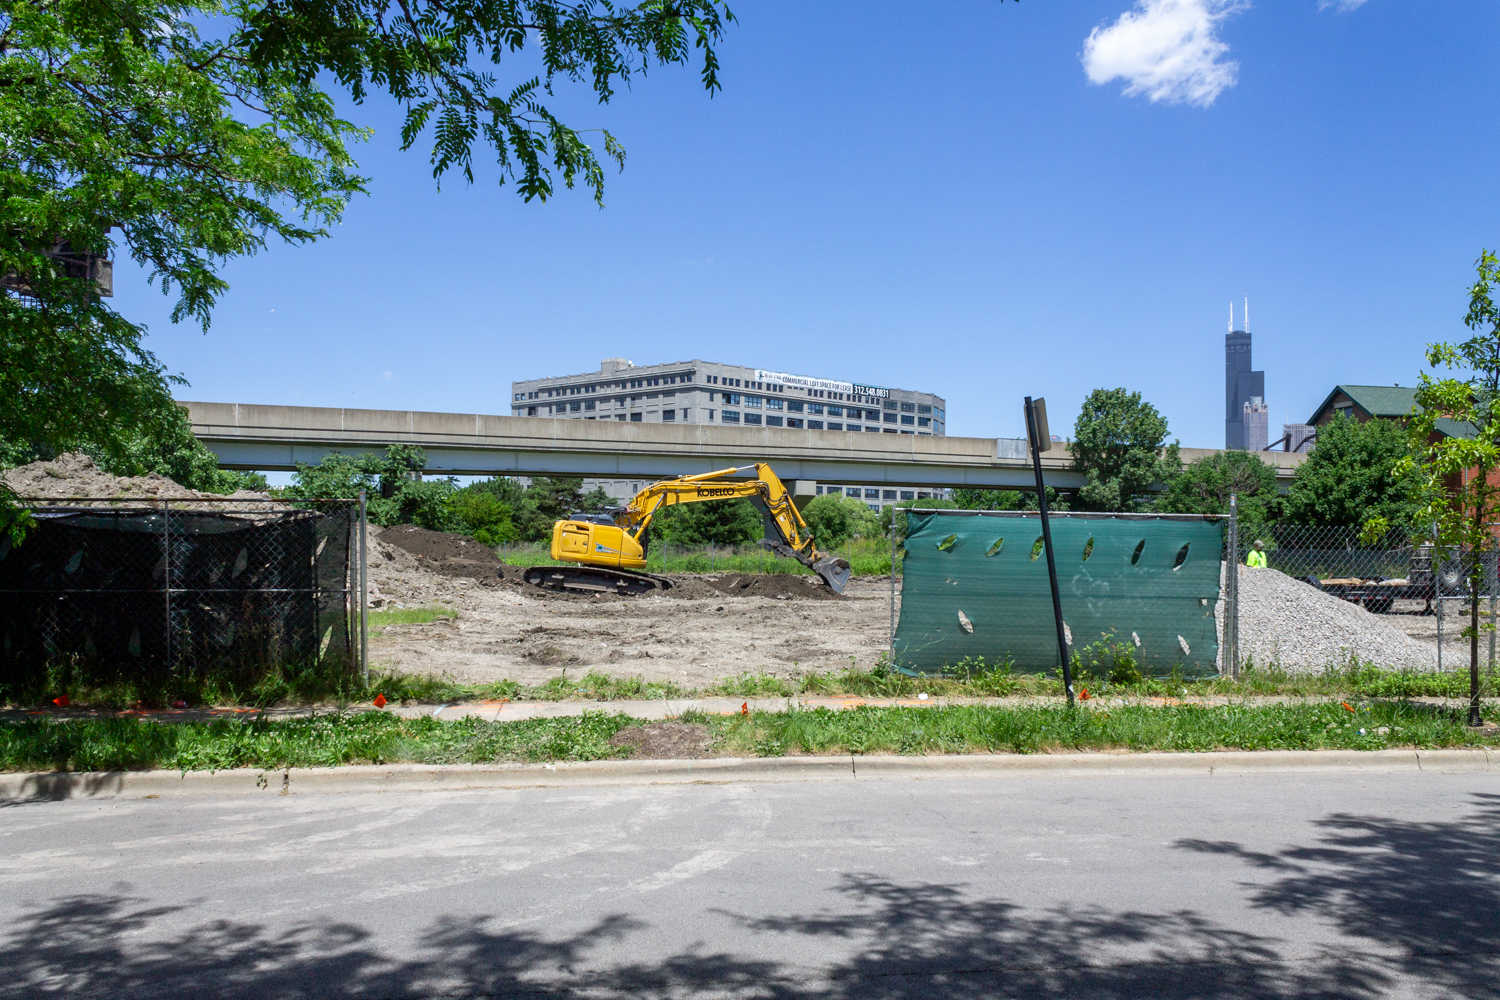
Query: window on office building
x,y
890,430
814,407
890,404
851,427
815,425
729,416
709,414
908,407
871,429
908,495
887,494
774,404
872,494
531,411
890,418
772,421
574,407
835,427
923,408
669,415
752,418
835,411
851,491
588,404
907,418
924,421
794,422
753,401
732,398
635,418
795,405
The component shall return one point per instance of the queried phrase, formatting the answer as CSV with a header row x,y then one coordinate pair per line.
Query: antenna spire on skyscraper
x,y
1247,314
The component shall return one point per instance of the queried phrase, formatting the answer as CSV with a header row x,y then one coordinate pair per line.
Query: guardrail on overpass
x,y
271,438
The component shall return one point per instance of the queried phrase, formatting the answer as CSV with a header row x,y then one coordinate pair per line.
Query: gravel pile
x,y
1287,622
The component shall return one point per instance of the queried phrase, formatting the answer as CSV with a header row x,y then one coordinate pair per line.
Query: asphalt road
x,y
1284,885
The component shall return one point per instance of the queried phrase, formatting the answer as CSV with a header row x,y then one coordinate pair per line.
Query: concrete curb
x,y
57,786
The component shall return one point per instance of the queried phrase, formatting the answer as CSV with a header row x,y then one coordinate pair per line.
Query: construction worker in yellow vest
x,y
1257,556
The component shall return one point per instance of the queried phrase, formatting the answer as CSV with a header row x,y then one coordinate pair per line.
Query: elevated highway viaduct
x,y
277,438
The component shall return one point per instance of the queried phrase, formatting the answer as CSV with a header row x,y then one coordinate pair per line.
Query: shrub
x,y
835,519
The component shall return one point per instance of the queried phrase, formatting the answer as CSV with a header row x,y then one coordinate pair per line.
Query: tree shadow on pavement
x,y
1419,894
1422,896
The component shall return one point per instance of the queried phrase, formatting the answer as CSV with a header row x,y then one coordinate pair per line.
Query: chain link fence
x,y
181,590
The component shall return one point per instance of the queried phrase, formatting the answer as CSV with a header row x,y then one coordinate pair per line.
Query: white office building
x,y
709,392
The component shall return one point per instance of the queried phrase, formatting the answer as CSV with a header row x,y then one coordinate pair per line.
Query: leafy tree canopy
x,y
1355,473
1206,484
728,522
1120,445
202,129
834,519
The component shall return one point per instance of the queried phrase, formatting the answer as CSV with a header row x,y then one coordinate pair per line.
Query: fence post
x,y
166,577
1490,582
1232,588
364,632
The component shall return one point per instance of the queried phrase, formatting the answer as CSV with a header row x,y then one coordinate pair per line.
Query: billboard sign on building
x,y
828,385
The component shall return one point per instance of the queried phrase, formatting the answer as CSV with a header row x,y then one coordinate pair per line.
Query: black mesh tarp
x,y
152,592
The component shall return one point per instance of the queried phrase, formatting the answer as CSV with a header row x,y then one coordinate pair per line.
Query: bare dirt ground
x,y
705,628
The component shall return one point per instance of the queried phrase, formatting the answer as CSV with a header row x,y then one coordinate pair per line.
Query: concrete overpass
x,y
276,438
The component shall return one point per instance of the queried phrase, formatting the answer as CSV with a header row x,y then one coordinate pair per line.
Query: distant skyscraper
x,y
1257,418
1240,385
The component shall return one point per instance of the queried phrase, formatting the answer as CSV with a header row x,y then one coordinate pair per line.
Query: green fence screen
x,y
974,584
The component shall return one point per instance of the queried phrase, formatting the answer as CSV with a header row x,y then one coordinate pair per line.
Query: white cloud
x,y
387,376
1342,6
1168,50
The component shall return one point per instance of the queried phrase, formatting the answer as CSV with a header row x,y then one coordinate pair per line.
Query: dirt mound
x,y
664,740
75,475
779,586
446,552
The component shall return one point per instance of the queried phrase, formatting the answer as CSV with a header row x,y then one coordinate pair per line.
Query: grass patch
x,y
992,729
378,737
378,619
321,741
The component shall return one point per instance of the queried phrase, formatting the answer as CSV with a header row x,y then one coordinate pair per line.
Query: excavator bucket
x,y
834,571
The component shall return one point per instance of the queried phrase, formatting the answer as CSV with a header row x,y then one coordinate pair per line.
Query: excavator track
x,y
595,580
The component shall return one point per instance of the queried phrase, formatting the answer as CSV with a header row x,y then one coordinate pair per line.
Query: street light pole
x,y
1041,440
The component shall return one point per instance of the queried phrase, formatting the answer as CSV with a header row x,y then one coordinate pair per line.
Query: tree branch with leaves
x,y
1456,439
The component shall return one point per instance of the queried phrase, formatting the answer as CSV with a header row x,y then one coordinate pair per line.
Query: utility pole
x,y
1041,440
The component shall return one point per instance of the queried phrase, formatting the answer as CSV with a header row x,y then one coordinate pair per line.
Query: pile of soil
x,y
75,475
664,740
448,553
779,586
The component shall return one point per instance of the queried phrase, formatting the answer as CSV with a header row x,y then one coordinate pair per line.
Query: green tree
x,y
1120,446
726,522
391,481
834,519
201,131
1457,492
484,515
1355,473
1205,485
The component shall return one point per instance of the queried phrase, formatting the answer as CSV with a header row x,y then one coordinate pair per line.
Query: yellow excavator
x,y
608,550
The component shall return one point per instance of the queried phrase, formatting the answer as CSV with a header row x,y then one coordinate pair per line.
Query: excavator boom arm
x,y
793,538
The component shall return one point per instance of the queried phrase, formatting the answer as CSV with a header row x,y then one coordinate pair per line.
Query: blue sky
x,y
934,196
